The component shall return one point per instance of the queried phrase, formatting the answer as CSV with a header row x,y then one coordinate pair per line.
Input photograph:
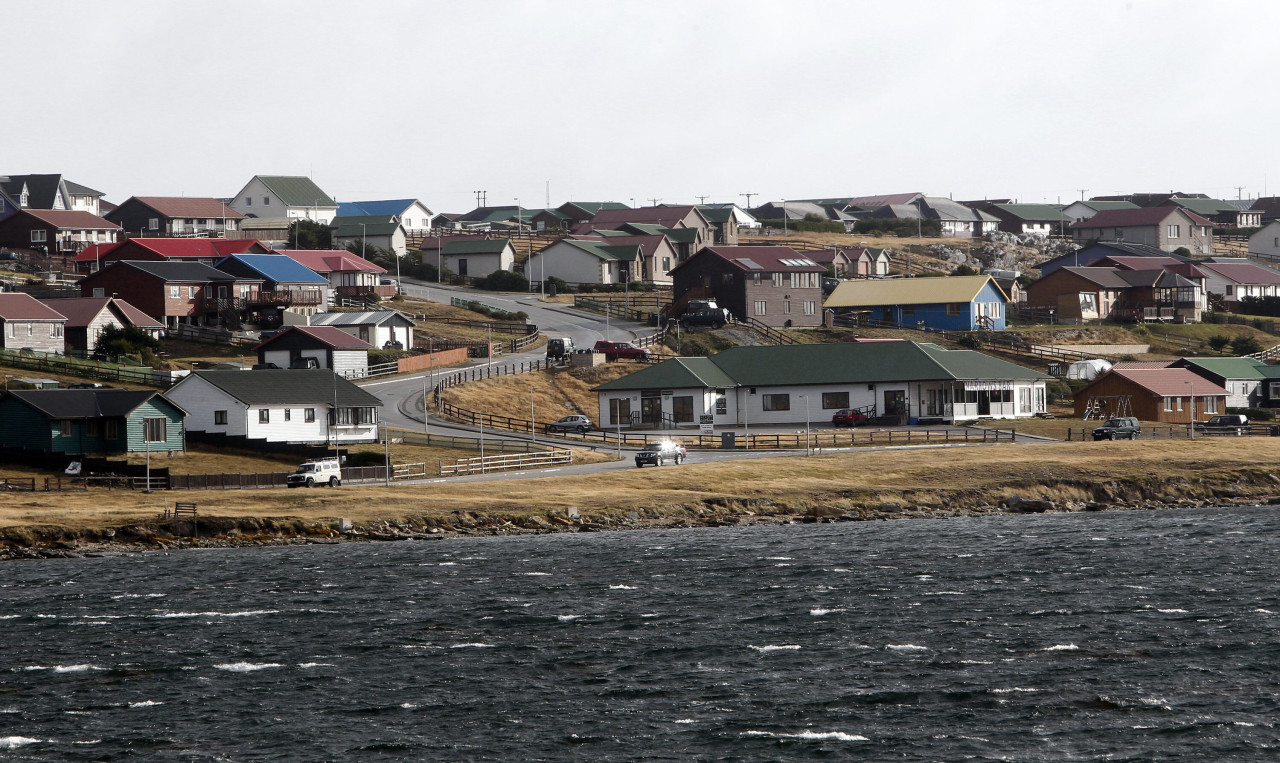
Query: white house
x,y
411,213
904,382
329,346
591,259
381,231
286,196
380,328
1266,241
1236,279
295,406
471,256
1079,211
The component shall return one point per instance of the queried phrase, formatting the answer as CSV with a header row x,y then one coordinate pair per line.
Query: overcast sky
x,y
642,100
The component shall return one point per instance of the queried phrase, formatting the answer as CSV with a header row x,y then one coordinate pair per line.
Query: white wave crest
x,y
536,574
622,588
684,720
821,612
246,667
9,617
13,743
1262,611
140,596
567,618
1172,611
1061,648
145,703
244,613
1012,690
307,665
809,736
75,668
471,645
775,648
907,647
408,706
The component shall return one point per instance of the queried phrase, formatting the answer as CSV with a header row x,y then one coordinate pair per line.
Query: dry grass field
x,y
933,478
557,392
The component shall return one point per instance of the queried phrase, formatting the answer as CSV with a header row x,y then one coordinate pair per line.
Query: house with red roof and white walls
x,y
1237,278
349,275
205,251
161,216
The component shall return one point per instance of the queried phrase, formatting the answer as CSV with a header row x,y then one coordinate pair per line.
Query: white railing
x,y
506,461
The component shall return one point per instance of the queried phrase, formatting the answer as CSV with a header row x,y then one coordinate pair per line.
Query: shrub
x,y
1218,342
964,270
115,341
902,228
1255,414
561,286
503,280
1269,306
970,341
1245,345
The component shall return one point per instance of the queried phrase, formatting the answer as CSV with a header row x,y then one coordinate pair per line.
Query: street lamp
x,y
364,230
439,259
805,398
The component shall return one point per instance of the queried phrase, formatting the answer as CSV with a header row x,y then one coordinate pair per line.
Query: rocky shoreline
x,y
1239,488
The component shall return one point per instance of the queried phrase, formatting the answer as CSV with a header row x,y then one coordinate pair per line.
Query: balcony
x,y
360,291
286,298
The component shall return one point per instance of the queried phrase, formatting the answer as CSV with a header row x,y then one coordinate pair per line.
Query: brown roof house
x,y
1151,394
58,232
329,346
26,323
174,216
775,285
1167,228
1099,293
88,317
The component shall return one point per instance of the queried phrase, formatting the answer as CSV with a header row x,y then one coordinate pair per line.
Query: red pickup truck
x,y
614,350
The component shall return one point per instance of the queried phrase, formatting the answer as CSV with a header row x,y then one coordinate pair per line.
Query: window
x,y
1039,399
682,408
153,223
55,330
620,410
155,429
38,235
786,307
264,416
722,404
220,418
175,292
92,428
666,263
248,201
63,428
266,201
777,279
309,415
908,310
1024,400
98,292
726,278
810,307
288,414
1178,403
1168,404
835,400
208,292
1174,230
1210,404
777,402
760,308
357,416
954,308
1229,290
191,292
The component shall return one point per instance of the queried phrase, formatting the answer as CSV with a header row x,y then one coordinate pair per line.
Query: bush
x,y
561,286
503,280
970,341
114,341
1269,306
964,270
1245,345
1218,342
902,228
1255,414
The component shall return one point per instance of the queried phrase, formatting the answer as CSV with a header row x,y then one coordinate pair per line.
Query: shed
x,y
329,346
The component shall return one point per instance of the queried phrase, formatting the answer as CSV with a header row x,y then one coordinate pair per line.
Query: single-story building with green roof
x,y
381,231
581,260
1245,379
472,256
792,384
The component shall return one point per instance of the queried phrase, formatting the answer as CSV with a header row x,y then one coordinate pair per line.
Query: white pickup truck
x,y
321,471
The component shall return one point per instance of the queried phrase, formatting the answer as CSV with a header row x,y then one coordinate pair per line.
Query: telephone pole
x,y
655,201
748,195
1239,190
1082,191
702,199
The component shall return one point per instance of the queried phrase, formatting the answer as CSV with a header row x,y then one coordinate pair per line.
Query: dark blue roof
x,y
277,267
374,208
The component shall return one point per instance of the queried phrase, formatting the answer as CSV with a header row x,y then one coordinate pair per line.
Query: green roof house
x,y
1244,379
286,196
591,259
90,421
794,384
472,256
369,231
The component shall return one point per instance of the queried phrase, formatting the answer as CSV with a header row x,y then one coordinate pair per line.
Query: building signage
x,y
706,423
987,386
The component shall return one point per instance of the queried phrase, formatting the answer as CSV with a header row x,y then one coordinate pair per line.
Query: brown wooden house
x,y
1151,394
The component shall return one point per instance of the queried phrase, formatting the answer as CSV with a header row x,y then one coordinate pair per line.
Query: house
x,y
331,348
174,216
1080,211
370,232
51,192
870,262
836,260
273,232
87,317
1242,378
579,212
1265,242
956,220
549,220
589,260
26,323
206,251
59,232
349,275
1038,219
386,329
956,303
1239,280
470,256
412,214
792,384
314,407
1167,228
91,421
1115,293
174,292
1222,213
775,285
1091,254
744,218
288,196
1151,394
286,284
651,220
724,222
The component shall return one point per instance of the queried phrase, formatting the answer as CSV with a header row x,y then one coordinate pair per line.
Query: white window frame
x,y
39,236
175,292
762,307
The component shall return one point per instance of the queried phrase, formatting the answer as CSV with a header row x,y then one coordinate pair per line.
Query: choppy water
x,y
1126,636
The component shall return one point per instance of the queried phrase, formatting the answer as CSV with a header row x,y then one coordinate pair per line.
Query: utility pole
x,y
748,195
477,193
1239,189
702,199
1082,191
655,201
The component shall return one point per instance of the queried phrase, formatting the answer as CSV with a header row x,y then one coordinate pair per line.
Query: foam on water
x,y
622,588
809,736
14,742
536,574
567,618
1172,611
75,668
907,648
245,613
247,667
821,612
1061,648
309,665
775,648
471,645
145,703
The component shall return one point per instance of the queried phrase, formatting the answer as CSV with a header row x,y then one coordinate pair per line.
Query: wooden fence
x,y
93,369
485,464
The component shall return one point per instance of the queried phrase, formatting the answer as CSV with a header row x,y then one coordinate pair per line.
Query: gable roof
x,y
71,218
381,207
1165,382
1034,212
473,245
297,191
881,200
275,267
19,306
910,291
607,252
330,336
171,270
87,403
1121,218
80,311
366,225
667,217
332,261
1100,204
362,318
42,190
1243,272
759,259
184,206
181,248
813,364
1202,207
319,387
1228,368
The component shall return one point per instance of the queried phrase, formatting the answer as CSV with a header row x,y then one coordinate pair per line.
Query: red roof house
x,y
203,250
1167,228
1151,394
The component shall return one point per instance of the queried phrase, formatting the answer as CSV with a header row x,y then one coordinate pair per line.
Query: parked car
x,y
658,453
1119,428
707,317
1224,423
572,423
321,471
265,367
559,347
847,417
304,363
615,350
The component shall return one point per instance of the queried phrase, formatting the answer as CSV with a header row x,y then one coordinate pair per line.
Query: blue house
x,y
286,283
954,303
85,421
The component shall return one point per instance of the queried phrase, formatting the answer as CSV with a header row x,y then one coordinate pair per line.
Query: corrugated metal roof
x,y
363,318
87,403
1229,368
332,261
188,206
331,336
17,306
1169,382
277,267
1243,273
908,291
297,191
288,387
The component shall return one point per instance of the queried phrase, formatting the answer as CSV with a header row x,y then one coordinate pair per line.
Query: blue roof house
x,y
410,213
286,283
952,303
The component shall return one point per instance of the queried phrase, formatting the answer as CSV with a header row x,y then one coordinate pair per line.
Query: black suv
x,y
1120,428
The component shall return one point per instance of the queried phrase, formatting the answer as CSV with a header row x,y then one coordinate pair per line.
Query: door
x,y
895,405
651,408
462,266
682,408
